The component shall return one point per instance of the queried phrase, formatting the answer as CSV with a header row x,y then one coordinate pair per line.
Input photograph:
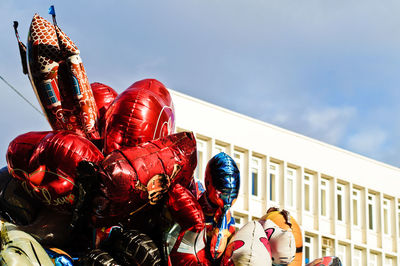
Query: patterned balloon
x,y
59,80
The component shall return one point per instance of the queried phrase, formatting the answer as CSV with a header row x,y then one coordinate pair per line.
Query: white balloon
x,y
249,246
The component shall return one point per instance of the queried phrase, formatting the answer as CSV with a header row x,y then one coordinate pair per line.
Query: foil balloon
x,y
186,240
60,257
133,247
98,257
45,163
141,113
248,246
283,232
59,80
326,261
19,248
16,205
138,177
222,180
104,97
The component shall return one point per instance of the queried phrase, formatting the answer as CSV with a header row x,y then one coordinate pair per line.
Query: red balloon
x,y
104,97
46,164
141,113
190,245
137,177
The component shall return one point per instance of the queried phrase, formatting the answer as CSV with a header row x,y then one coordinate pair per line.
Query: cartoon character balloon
x,y
222,180
248,246
284,235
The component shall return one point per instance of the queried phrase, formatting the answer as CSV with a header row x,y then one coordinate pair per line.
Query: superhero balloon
x,y
46,162
141,113
59,80
248,246
222,180
138,177
284,235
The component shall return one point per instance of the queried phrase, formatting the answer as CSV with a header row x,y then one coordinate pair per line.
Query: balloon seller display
x,y
112,183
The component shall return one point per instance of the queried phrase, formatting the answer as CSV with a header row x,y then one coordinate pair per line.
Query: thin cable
x,y
22,96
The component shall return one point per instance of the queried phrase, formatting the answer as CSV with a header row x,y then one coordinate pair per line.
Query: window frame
x,y
290,177
219,148
325,188
371,212
358,211
310,247
386,223
341,193
273,169
256,166
240,163
310,183
202,155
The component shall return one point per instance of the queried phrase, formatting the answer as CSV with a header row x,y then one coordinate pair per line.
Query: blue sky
x,y
325,69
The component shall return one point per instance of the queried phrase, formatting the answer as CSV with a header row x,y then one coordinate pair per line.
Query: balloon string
x,y
138,209
20,95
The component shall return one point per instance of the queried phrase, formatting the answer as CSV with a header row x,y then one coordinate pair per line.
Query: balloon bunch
x,y
113,184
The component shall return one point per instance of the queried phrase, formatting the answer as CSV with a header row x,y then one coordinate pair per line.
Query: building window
x,y
218,148
340,197
371,212
240,220
357,257
389,261
308,249
255,176
356,202
239,160
273,181
324,197
342,253
386,216
398,216
202,151
373,259
308,190
327,247
290,187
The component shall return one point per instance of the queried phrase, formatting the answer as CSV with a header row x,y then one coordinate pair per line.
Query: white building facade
x,y
346,204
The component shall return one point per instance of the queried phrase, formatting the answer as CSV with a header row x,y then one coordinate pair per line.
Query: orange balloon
x,y
286,221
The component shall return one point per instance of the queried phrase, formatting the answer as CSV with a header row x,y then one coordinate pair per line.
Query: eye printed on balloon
x,y
269,232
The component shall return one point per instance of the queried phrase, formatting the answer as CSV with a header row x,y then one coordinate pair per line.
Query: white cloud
x,y
367,142
329,124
